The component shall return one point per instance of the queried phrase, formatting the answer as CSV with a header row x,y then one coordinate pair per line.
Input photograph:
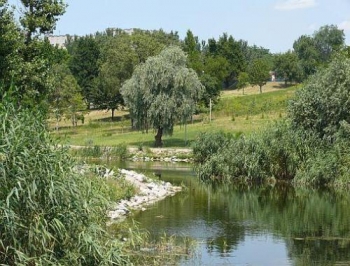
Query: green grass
x,y
235,114
266,103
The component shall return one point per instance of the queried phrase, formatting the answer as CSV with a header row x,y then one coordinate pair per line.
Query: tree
x,y
323,104
161,92
66,99
40,16
287,67
26,63
329,39
10,44
259,73
192,47
243,80
120,54
230,49
305,48
317,50
74,102
215,70
85,53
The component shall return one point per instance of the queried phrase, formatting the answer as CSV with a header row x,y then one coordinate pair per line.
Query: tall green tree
x,y
85,53
192,47
161,92
215,70
329,40
317,50
230,49
26,58
259,73
243,81
11,41
120,54
323,104
287,67
66,99
40,16
305,48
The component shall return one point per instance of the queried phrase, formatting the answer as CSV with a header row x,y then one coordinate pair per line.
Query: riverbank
x,y
149,192
124,152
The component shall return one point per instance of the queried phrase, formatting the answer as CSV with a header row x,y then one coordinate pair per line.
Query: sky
x,y
272,24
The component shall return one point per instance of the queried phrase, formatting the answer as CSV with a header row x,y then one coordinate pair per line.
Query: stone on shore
x,y
150,192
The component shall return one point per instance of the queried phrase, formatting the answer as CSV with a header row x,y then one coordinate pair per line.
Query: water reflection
x,y
245,225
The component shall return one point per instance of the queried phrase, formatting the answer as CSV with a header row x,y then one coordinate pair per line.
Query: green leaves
x,y
49,214
259,73
41,16
162,91
324,102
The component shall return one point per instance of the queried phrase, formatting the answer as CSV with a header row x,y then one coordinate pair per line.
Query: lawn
x,y
235,113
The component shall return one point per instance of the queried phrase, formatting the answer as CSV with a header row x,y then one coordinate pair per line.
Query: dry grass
x,y
250,90
94,116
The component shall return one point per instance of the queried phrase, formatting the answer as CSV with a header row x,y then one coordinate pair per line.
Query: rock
x,y
150,192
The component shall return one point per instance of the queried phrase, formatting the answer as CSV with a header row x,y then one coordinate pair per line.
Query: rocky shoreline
x,y
162,155
150,192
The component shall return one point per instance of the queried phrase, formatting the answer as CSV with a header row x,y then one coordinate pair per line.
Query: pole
x,y
210,110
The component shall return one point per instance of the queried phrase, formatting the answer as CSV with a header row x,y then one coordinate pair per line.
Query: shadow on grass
x,y
284,86
115,119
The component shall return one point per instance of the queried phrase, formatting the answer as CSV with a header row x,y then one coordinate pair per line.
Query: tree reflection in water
x,y
314,225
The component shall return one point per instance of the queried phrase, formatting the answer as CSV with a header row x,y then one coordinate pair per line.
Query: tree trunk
x,y
113,113
260,88
158,138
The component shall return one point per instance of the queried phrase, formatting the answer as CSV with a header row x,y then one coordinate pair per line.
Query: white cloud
x,y
295,4
345,25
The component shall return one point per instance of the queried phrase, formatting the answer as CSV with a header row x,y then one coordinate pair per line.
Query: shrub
x,y
50,215
120,151
324,102
276,152
207,144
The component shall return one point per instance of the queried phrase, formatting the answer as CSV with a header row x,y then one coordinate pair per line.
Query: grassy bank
x,y
235,113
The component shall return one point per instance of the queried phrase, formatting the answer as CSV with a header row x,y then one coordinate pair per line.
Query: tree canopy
x,y
161,92
287,67
323,104
259,73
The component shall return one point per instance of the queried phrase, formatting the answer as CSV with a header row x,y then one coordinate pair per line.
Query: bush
x,y
50,215
324,102
276,152
208,143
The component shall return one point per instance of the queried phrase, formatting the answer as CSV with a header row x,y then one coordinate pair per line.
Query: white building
x,y
59,40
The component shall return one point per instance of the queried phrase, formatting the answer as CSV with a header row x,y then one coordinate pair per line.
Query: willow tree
x,y
161,92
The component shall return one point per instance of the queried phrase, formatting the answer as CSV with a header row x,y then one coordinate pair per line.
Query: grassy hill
x,y
236,113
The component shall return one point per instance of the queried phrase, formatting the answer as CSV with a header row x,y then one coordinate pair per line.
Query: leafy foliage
x,y
50,215
323,103
287,67
84,55
317,50
10,43
311,148
66,99
271,154
259,73
162,91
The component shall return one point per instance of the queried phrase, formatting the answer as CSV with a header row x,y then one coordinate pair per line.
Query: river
x,y
250,225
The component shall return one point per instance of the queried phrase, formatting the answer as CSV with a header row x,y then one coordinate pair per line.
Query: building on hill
x,y
61,40
58,40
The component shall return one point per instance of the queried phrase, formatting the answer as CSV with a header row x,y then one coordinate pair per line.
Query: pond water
x,y
250,225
